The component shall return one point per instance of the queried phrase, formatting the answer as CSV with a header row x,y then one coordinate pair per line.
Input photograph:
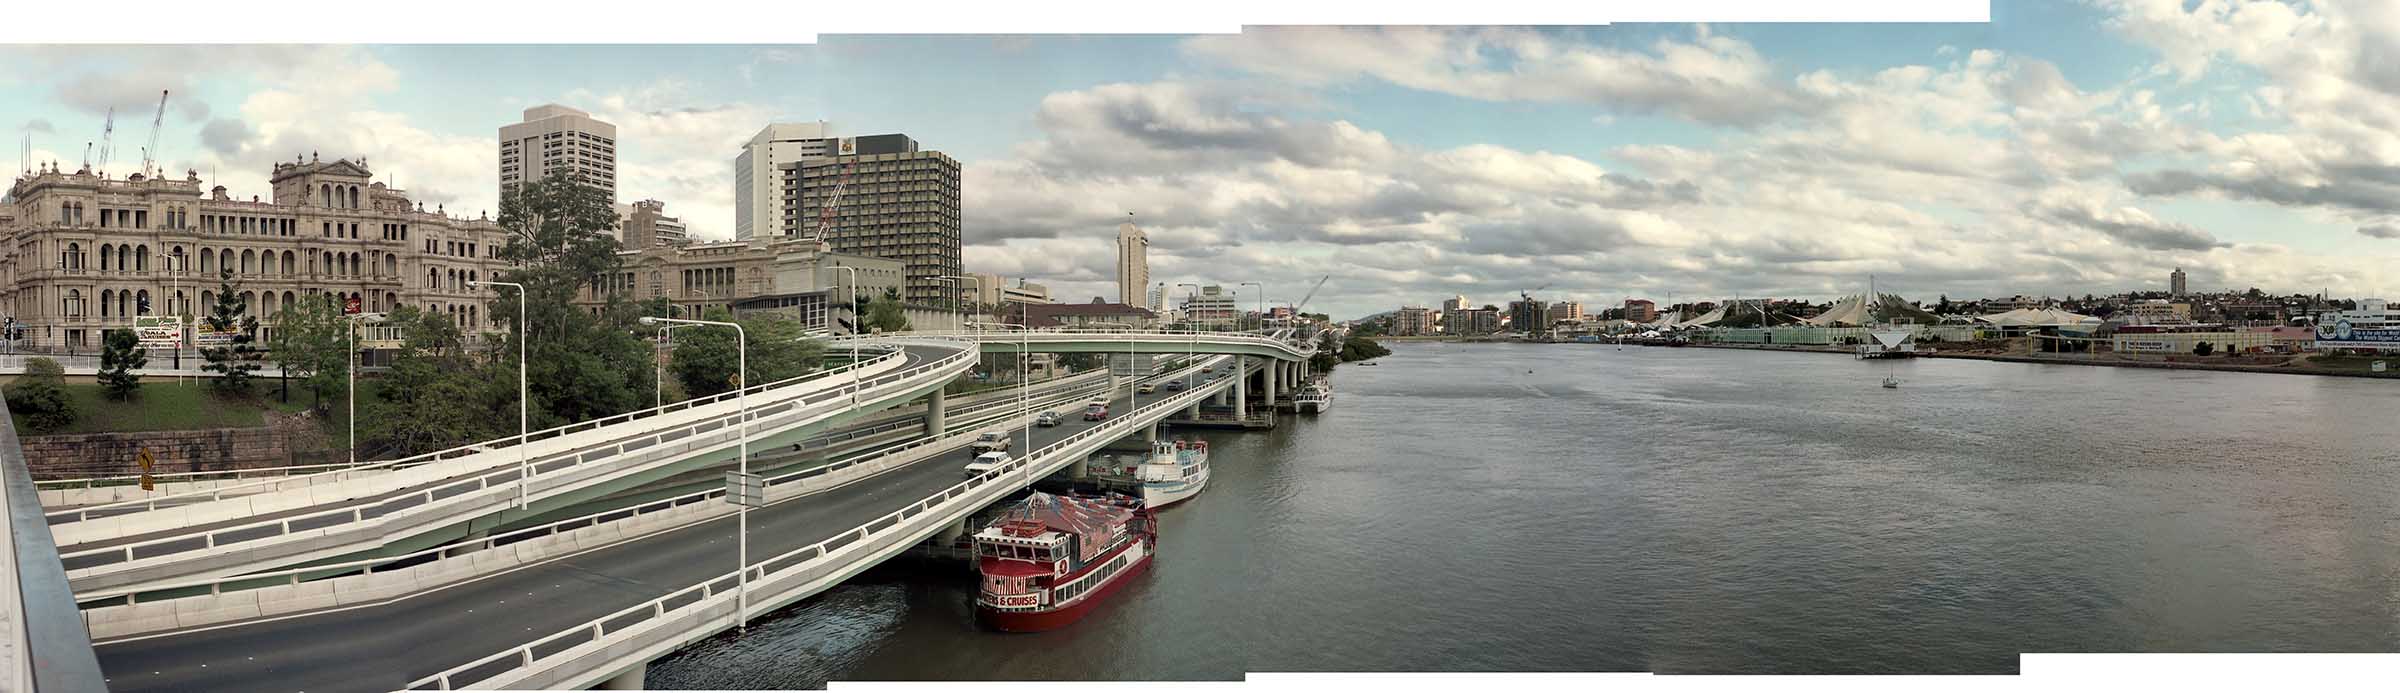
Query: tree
x,y
706,356
120,353
436,395
1079,362
2203,349
886,314
581,365
310,342
36,395
1360,348
234,361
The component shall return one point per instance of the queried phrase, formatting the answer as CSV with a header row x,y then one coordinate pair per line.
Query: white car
x,y
991,441
986,462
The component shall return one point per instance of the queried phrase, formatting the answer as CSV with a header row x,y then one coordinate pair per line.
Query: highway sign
x,y
745,489
159,331
350,305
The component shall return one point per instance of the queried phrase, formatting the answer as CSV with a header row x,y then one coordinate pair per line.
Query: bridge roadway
x,y
85,560
382,648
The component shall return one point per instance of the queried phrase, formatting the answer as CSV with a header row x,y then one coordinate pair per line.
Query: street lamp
x,y
850,297
524,334
741,432
1192,349
966,316
951,295
1133,384
1262,303
350,338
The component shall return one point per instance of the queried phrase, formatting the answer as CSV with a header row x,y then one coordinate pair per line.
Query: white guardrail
x,y
1188,338
427,506
122,619
663,624
285,482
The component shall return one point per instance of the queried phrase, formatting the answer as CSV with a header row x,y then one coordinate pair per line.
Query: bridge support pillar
x,y
1241,388
934,425
629,680
1150,434
1274,373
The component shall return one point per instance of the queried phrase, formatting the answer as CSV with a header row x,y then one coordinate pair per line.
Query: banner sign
x,y
2338,332
159,331
205,335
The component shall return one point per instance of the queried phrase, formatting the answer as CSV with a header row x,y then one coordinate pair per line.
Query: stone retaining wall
x,y
286,440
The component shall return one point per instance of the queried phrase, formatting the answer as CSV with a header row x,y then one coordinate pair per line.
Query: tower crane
x,y
108,128
150,151
1527,294
1312,293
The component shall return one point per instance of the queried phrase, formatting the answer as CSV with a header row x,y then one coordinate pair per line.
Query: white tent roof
x,y
1708,318
2038,317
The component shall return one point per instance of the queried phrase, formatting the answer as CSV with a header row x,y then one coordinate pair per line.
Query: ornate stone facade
x,y
80,252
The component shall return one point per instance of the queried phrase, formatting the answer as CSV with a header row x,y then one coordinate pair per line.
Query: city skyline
x,y
2065,148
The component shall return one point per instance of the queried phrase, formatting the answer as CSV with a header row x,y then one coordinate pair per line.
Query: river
x,y
1527,507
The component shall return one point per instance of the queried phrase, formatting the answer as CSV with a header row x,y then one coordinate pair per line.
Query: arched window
x,y
266,304
141,303
141,258
208,261
107,250
249,261
324,195
291,263
208,300
328,266
354,205
249,302
179,305
287,299
73,259
106,297
73,306
124,258
391,301
225,259
391,264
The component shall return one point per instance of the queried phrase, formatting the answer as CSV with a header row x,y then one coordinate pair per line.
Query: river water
x,y
1498,507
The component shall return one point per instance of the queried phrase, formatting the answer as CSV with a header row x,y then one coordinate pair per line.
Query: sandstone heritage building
x,y
81,253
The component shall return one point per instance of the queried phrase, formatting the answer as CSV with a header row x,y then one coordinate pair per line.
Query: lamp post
x,y
950,295
741,432
1262,303
851,297
658,380
966,316
1192,349
524,334
350,339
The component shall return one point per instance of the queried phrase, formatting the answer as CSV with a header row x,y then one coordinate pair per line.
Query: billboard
x,y
159,331
2358,330
205,335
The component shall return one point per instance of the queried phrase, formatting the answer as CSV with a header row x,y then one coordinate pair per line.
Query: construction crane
x,y
1527,294
150,151
108,129
841,183
1312,293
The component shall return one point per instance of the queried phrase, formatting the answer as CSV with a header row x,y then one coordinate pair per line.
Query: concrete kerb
x,y
354,590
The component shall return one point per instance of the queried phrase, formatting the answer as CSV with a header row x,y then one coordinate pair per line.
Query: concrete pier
x,y
628,680
934,423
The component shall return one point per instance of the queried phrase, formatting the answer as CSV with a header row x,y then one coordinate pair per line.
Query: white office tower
x,y
557,138
1133,265
758,185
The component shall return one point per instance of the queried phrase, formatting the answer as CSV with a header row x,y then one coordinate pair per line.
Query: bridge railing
x,y
497,444
43,646
209,541
1004,337
294,576
706,597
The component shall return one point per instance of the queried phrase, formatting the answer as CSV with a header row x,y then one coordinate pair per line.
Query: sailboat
x,y
1891,380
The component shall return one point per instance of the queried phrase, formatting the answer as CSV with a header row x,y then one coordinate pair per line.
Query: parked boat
x,y
1176,471
1049,560
1313,399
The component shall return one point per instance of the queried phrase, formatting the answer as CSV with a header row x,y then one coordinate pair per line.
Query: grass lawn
x,y
175,404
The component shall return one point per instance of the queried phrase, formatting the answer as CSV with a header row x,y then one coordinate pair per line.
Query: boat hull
x,y
1053,619
1155,495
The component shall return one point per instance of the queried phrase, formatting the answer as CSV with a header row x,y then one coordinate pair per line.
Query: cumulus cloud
x,y
1707,78
2380,231
2126,224
670,149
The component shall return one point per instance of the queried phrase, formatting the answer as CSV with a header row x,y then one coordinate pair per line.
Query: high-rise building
x,y
1566,310
645,223
2176,284
1411,321
1158,297
996,290
1455,303
897,202
1640,310
1212,307
557,138
1470,321
1529,316
758,192
1133,264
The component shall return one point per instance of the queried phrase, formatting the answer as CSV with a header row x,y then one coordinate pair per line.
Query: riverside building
x,y
85,253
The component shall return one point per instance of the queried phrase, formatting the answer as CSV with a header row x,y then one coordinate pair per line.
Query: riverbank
x,y
2299,365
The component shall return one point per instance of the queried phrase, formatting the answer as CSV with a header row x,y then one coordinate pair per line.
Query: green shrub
x,y
36,395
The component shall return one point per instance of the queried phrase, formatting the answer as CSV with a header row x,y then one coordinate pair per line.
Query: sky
x,y
2067,147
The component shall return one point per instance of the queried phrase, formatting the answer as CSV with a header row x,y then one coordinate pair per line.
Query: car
x,y
1048,418
1096,411
1208,369
986,462
990,441
1174,386
1146,388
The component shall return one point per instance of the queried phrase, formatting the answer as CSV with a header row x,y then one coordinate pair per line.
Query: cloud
x,y
671,149
2346,193
38,125
2126,224
225,135
2380,231
1708,78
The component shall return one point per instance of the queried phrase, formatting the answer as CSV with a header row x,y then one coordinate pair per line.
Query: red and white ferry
x,y
1046,562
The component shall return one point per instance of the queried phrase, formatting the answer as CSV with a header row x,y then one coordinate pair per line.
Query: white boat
x,y
1314,399
1176,471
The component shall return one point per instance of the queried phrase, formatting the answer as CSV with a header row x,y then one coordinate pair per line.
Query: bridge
x,y
622,552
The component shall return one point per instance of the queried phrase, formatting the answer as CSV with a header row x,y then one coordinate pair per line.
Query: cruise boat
x,y
1048,561
1313,399
1176,471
